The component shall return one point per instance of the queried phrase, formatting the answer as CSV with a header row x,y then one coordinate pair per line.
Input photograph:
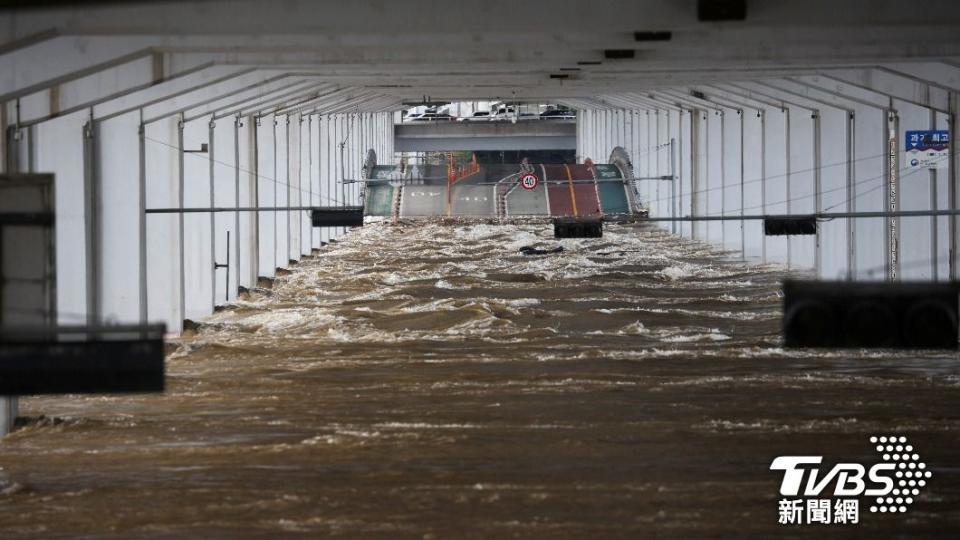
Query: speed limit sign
x,y
529,181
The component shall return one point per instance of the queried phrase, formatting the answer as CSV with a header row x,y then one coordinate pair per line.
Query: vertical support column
x,y
952,183
892,165
703,175
4,138
287,156
92,234
817,194
723,175
255,196
763,175
787,164
13,142
9,411
696,186
10,405
276,188
934,229
310,170
851,200
679,179
673,183
180,219
743,231
236,196
142,220
341,169
656,161
213,224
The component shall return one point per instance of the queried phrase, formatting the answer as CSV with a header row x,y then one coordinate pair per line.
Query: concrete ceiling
x,y
387,52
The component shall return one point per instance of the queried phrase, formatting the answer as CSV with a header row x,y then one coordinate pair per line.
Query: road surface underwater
x,y
429,381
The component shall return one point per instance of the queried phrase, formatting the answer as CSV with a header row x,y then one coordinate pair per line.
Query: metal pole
x,y
706,169
819,216
276,191
723,173
934,255
893,198
952,183
763,175
743,202
787,164
673,183
204,209
309,169
91,211
180,201
213,222
236,192
142,219
255,196
680,168
817,195
226,292
286,136
852,202
934,229
695,180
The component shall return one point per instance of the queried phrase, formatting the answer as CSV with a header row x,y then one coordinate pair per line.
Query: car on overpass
x,y
431,116
478,116
503,113
558,114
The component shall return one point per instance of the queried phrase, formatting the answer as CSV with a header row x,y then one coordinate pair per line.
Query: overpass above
x,y
179,147
474,136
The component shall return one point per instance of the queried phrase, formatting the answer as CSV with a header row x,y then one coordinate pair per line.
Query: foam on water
x,y
429,379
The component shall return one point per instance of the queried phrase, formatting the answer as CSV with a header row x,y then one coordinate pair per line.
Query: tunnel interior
x,y
477,270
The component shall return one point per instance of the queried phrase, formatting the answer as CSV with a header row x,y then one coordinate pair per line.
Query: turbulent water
x,y
428,381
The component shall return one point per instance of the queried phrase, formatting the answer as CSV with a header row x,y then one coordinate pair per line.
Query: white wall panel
x,y
224,196
163,237
915,192
282,187
266,196
753,157
197,247
775,175
248,252
732,179
834,153
801,182
869,193
714,175
117,166
59,150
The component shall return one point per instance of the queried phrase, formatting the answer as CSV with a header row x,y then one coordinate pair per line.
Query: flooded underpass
x,y
429,381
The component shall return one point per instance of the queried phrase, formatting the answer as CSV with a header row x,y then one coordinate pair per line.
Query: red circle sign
x,y
529,181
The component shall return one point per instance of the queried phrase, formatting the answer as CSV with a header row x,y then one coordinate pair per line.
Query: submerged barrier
x,y
500,190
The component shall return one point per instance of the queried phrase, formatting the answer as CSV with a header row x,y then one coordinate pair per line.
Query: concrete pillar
x,y
9,409
161,167
266,195
198,189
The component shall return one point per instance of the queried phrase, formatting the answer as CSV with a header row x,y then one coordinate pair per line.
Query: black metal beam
x,y
82,360
202,209
819,216
915,315
42,219
349,216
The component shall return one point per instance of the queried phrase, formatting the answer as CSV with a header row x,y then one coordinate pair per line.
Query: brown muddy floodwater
x,y
427,381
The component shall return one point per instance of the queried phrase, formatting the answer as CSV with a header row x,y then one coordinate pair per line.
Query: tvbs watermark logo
x,y
834,498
